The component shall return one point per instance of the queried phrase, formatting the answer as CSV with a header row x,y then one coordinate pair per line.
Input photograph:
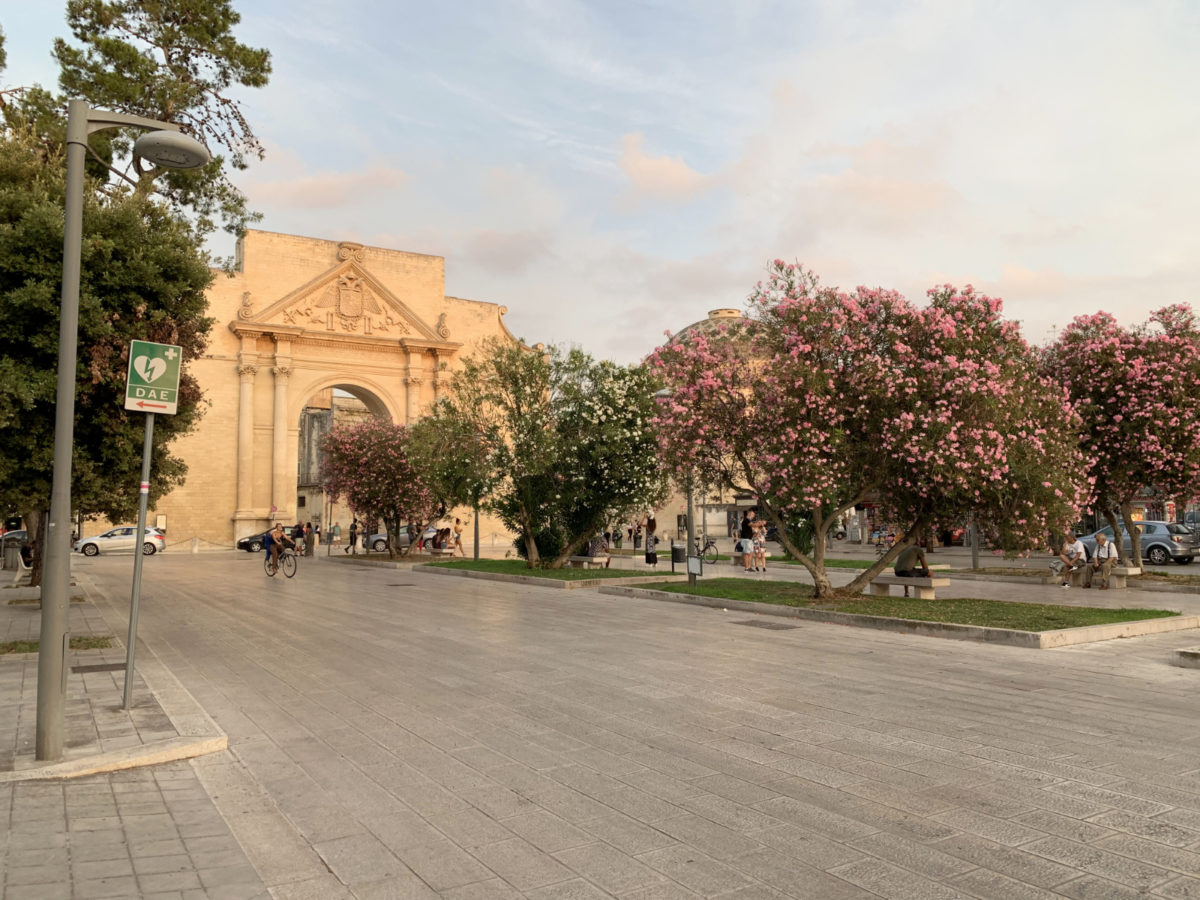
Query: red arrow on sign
x,y
143,404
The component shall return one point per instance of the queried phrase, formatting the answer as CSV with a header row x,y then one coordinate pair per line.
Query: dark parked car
x,y
1162,542
253,543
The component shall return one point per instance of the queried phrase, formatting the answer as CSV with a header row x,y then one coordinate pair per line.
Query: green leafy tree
x,y
568,442
173,61
453,459
370,464
143,278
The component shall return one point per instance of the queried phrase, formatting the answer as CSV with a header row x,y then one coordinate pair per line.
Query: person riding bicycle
x,y
275,541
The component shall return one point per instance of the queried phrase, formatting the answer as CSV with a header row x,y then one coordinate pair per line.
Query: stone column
x,y
438,377
413,382
245,435
283,478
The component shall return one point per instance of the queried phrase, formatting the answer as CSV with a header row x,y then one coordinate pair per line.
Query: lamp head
x,y
171,150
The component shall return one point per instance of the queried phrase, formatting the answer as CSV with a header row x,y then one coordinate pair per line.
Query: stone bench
x,y
588,562
1116,578
881,585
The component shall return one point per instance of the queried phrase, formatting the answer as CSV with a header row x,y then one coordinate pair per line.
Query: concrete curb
x,y
1188,659
549,582
1149,587
1034,640
151,754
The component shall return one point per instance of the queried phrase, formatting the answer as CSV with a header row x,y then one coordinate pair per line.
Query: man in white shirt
x,y
1102,562
1073,556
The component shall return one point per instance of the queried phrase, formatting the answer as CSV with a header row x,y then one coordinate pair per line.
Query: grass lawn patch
x,y
831,563
1009,571
77,643
985,613
1152,576
518,567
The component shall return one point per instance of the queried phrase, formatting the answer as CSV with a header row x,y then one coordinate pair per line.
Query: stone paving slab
x,y
561,584
458,738
163,724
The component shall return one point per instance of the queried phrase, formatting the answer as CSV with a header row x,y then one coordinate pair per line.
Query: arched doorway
x,y
341,404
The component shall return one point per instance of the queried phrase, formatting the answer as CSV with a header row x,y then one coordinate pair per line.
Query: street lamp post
x,y
166,147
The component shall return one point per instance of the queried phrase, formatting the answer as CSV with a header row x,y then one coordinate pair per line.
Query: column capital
x,y
281,372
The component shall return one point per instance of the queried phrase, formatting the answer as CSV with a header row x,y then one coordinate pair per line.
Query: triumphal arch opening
x,y
302,321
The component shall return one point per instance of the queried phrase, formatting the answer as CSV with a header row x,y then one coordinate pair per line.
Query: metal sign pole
x,y
135,594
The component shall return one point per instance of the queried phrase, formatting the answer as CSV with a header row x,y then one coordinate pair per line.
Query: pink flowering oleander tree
x,y
370,464
1135,389
821,399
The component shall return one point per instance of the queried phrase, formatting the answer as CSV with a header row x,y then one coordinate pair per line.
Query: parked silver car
x,y
380,541
122,539
1161,542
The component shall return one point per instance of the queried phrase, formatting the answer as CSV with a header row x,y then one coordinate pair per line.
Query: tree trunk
x,y
1135,535
568,551
35,523
1114,523
531,551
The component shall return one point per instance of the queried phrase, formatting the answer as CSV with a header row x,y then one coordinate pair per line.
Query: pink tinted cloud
x,y
327,190
665,179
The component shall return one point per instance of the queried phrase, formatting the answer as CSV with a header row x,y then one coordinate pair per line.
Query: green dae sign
x,y
152,385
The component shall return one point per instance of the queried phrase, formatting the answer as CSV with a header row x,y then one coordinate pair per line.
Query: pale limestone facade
x,y
301,316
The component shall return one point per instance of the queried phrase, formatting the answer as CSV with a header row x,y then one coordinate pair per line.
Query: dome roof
x,y
716,319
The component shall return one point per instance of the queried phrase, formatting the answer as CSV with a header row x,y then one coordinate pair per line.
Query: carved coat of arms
x,y
350,300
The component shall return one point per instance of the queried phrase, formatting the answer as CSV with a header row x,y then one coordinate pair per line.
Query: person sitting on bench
x,y
1073,556
1102,563
911,564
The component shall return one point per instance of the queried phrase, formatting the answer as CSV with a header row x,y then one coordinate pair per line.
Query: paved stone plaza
x,y
399,734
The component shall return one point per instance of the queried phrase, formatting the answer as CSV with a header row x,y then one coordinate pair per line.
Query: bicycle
x,y
709,552
287,562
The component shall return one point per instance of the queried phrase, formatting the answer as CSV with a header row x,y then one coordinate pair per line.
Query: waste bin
x,y
12,555
678,553
637,542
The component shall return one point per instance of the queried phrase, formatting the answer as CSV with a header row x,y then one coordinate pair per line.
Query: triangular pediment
x,y
346,300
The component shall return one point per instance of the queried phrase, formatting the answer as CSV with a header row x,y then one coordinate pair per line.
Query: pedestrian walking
x,y
458,530
651,543
353,537
336,534
310,540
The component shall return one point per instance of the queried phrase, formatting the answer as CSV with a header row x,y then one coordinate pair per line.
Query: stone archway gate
x,y
303,315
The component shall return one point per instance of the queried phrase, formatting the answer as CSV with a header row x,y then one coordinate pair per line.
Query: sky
x,y
613,170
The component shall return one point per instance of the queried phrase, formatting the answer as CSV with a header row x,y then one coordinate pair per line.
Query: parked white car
x,y
122,539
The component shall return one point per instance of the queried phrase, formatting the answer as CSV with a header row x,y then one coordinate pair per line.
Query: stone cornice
x,y
301,336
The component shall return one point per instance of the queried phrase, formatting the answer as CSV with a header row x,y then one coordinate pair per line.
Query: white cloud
x,y
663,178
